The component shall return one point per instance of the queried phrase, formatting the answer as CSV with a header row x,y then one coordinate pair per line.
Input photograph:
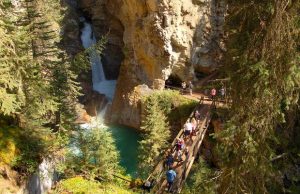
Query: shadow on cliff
x,y
206,51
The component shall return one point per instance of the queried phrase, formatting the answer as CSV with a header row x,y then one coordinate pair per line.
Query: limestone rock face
x,y
152,39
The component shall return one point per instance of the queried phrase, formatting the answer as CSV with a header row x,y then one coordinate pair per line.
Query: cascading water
x,y
100,83
126,138
44,178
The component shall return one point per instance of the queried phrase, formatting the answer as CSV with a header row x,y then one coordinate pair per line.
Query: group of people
x,y
190,129
169,162
184,87
181,151
181,148
213,93
170,174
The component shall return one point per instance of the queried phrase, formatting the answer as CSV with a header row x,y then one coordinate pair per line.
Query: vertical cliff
x,y
151,39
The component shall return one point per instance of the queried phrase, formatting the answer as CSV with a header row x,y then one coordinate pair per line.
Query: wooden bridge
x,y
193,144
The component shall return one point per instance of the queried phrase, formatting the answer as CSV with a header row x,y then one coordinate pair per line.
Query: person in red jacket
x,y
213,94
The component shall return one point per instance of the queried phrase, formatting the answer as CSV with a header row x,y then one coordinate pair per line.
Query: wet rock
x,y
92,100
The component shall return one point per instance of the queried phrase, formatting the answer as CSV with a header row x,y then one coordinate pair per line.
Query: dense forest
x,y
257,151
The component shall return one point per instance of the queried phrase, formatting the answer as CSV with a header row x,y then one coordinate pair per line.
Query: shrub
x,y
79,185
202,179
20,150
175,107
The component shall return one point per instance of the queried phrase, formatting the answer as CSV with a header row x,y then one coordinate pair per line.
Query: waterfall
x,y
44,178
100,83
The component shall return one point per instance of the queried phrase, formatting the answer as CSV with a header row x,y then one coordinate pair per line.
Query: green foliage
x,y
38,87
175,107
203,179
77,185
95,155
264,68
83,186
81,60
155,138
32,64
20,150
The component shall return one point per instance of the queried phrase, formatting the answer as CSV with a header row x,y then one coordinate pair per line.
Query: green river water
x,y
127,143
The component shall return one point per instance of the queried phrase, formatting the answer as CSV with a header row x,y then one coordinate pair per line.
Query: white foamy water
x,y
98,121
100,83
44,178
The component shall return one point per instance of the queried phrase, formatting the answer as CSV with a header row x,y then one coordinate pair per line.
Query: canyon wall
x,y
148,40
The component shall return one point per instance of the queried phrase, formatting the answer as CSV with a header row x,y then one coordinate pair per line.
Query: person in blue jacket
x,y
171,175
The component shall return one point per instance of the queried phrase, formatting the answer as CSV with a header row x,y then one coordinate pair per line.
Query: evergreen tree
x,y
203,179
155,139
56,70
97,156
38,78
262,62
38,88
13,60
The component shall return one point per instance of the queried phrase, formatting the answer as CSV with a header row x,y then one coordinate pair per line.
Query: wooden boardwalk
x,y
193,144
183,168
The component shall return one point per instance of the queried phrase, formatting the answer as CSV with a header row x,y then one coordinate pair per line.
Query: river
x,y
127,143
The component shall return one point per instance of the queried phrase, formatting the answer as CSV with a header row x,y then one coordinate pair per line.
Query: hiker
x,y
197,116
188,127
190,88
186,152
179,156
213,94
222,93
179,144
147,186
171,175
183,85
194,123
206,92
169,160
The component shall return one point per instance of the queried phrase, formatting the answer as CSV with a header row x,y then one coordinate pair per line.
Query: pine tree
x,y
56,71
38,88
203,179
38,78
263,63
12,62
155,139
97,157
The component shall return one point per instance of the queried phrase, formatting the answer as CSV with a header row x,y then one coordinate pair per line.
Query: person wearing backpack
x,y
171,175
190,88
213,94
197,116
222,93
169,160
183,85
